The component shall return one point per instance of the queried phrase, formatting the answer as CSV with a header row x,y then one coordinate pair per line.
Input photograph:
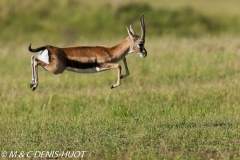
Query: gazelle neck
x,y
121,50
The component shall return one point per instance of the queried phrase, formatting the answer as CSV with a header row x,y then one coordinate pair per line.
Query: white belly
x,y
88,70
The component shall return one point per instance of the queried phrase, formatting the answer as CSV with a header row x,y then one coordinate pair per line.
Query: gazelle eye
x,y
140,45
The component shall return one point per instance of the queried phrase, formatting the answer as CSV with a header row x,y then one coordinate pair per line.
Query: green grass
x,y
180,102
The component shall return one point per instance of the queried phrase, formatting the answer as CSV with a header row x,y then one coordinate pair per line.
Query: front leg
x,y
107,66
126,68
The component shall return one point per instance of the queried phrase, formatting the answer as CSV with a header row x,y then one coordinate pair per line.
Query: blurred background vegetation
x,y
68,21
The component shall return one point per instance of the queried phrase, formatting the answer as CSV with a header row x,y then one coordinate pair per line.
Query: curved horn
x,y
143,29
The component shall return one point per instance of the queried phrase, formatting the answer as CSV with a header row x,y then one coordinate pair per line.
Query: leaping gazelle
x,y
88,59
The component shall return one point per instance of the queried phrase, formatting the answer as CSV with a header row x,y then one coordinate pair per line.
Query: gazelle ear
x,y
132,30
130,34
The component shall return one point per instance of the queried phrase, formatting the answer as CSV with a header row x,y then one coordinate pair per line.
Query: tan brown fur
x,y
95,58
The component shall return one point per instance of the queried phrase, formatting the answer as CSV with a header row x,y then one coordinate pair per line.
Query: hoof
x,y
123,76
33,85
115,85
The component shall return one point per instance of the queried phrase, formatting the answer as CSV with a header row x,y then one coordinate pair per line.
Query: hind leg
x,y
34,63
33,84
56,67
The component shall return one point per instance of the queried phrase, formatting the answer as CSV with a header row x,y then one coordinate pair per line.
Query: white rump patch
x,y
43,56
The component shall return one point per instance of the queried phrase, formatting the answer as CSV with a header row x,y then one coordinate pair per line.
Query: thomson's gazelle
x,y
88,59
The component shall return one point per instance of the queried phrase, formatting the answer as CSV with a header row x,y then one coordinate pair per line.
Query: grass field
x,y
180,102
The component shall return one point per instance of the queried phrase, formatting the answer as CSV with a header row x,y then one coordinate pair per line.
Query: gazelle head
x,y
138,42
